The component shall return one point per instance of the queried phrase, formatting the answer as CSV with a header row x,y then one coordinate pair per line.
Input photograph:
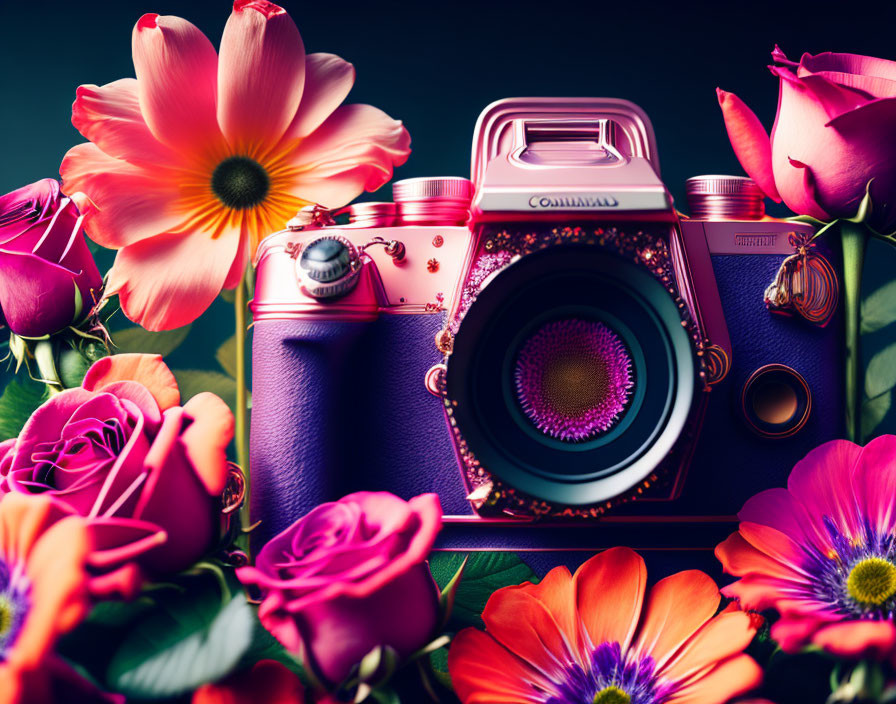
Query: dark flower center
x,y
240,182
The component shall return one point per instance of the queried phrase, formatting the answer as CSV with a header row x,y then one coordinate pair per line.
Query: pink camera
x,y
550,340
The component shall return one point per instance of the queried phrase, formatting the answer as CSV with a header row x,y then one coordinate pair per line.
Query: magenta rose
x,y
832,135
147,473
350,576
48,279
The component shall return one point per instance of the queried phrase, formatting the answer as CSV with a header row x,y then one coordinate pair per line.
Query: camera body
x,y
552,348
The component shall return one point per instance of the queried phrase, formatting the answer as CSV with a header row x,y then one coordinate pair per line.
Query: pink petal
x,y
750,142
822,482
176,68
759,592
795,629
739,557
206,439
110,117
858,639
170,280
779,509
354,150
834,98
238,268
115,541
125,203
875,481
328,80
260,75
776,545
877,77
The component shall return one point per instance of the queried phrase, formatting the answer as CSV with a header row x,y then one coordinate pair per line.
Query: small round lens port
x,y
776,401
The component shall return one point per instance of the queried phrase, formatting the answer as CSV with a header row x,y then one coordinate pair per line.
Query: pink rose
x,y
832,135
350,576
48,279
147,473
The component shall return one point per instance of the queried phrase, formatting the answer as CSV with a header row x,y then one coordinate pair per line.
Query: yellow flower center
x,y
5,615
872,581
611,695
240,182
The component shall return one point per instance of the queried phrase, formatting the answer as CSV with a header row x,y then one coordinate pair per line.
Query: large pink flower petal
x,y
177,69
776,545
124,203
834,98
328,80
777,508
355,149
875,480
739,557
750,141
260,75
759,592
110,117
822,482
170,280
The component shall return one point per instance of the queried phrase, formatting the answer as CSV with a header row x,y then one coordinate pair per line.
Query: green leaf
x,y
448,594
265,647
879,309
20,399
880,376
182,644
136,339
873,412
226,356
484,573
194,381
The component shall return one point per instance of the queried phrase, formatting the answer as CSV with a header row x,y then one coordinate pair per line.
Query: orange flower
x,y
595,637
43,590
189,165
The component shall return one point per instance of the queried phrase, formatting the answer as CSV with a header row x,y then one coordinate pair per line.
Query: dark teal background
x,y
435,65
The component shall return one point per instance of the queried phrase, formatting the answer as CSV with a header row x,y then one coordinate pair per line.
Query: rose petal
x,y
750,141
147,370
206,439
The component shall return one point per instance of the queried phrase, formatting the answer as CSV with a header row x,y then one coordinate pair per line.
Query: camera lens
x,y
571,376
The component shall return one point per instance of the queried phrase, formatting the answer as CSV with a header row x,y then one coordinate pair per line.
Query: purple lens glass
x,y
573,379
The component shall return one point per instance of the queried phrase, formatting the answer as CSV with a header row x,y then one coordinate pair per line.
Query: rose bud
x,y
350,576
48,279
832,136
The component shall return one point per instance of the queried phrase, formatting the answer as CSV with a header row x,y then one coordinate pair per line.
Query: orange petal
x,y
557,592
775,544
738,557
268,681
676,607
206,439
146,369
484,672
52,547
737,675
722,637
523,625
609,594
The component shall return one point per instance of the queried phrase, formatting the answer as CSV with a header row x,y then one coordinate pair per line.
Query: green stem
x,y
44,355
242,410
854,237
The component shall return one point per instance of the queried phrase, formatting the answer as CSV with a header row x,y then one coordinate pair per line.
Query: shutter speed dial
x,y
328,267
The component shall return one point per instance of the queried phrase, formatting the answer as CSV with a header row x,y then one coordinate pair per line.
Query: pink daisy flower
x,y
822,552
193,162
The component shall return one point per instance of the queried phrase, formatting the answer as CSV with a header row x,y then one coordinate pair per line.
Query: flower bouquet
x,y
129,567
